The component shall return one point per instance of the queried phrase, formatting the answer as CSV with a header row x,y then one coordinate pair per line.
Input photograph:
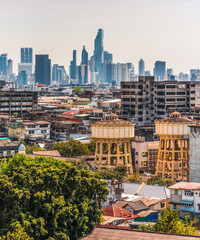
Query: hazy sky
x,y
166,30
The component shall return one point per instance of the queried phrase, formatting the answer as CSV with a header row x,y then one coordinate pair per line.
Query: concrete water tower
x,y
113,137
173,153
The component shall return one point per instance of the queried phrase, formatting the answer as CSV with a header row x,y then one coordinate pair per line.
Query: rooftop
x,y
105,232
186,186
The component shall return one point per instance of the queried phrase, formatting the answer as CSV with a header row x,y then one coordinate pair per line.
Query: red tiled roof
x,y
115,211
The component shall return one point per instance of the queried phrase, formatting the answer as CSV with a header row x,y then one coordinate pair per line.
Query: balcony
x,y
188,209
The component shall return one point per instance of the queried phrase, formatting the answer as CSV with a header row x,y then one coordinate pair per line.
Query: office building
x,y
147,73
122,73
98,54
20,102
160,70
58,73
3,64
43,69
108,57
84,60
145,100
141,67
73,68
110,73
83,74
9,67
26,55
22,78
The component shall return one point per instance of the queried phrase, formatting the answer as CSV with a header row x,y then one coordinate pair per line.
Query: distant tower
x,y
160,70
43,69
3,64
10,67
141,67
26,55
98,54
84,57
113,142
173,153
72,69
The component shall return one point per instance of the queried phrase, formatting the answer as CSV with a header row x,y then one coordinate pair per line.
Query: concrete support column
x,y
118,154
96,152
101,152
125,154
108,160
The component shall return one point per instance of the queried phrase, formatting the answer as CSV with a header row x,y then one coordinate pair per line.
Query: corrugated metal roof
x,y
186,186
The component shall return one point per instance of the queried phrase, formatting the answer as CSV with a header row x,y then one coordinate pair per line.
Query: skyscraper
x,y
108,57
26,55
58,73
84,60
10,67
160,69
98,54
3,64
43,69
141,67
83,74
72,68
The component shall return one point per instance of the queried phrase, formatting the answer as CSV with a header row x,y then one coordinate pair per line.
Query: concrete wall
x,y
194,161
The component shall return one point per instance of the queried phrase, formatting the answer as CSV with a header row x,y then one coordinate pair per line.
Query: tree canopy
x,y
77,90
169,222
46,198
71,148
30,149
161,181
117,173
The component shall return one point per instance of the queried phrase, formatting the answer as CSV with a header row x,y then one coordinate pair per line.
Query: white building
x,y
185,198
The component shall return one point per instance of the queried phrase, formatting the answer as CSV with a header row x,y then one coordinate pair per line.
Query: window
x,y
198,207
136,153
176,191
189,193
187,205
43,131
31,132
174,207
162,205
144,154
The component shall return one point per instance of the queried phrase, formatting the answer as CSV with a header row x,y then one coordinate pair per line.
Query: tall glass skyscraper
x,y
72,68
26,55
3,64
43,69
141,67
98,54
160,69
84,60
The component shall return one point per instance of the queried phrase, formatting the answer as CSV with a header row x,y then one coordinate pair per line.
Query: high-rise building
x,y
3,64
58,73
26,55
43,69
83,74
84,60
122,73
72,68
160,70
141,67
10,67
170,71
110,73
98,54
22,78
108,57
147,73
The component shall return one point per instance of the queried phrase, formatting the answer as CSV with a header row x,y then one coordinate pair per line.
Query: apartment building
x,y
18,102
185,198
144,154
145,100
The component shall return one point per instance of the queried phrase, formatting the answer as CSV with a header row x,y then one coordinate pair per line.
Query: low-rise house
x,y
8,148
185,198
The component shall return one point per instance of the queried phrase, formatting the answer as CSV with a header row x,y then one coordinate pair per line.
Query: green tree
x,y
161,181
77,90
169,222
49,198
135,178
30,149
118,173
92,145
71,148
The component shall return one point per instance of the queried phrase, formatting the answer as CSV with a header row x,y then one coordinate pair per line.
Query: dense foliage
x,y
30,149
77,90
169,222
45,197
161,181
135,178
117,173
71,148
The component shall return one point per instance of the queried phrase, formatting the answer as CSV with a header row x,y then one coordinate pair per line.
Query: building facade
x,y
146,100
26,55
19,102
43,69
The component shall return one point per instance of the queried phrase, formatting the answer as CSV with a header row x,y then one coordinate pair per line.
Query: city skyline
x,y
148,29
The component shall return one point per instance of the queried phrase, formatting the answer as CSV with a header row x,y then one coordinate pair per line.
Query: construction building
x,y
173,153
18,102
113,142
146,100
